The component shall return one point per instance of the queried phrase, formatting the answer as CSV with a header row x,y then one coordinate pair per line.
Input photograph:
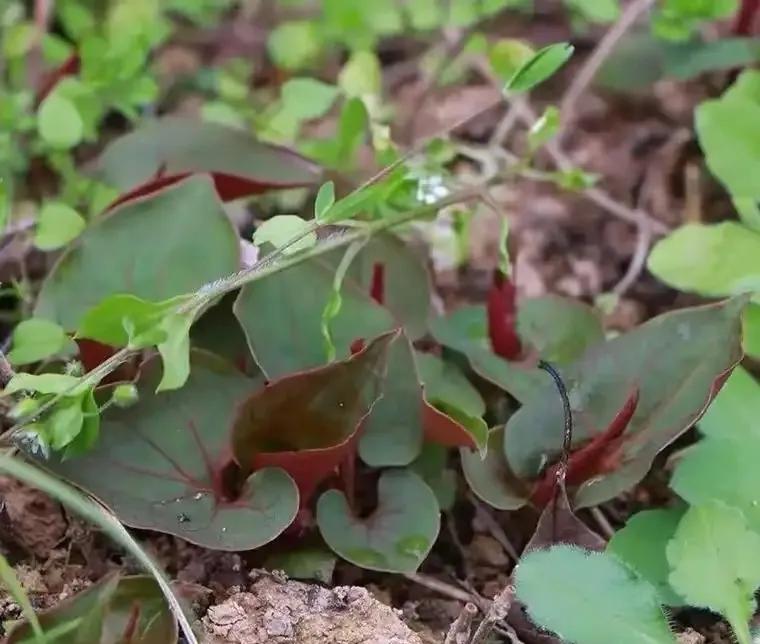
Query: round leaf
x,y
59,123
165,459
396,537
57,225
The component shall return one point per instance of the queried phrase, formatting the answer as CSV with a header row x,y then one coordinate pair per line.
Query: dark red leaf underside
x,y
600,455
502,318
377,287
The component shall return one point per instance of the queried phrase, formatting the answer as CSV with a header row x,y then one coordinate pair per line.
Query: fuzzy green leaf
x,y
713,557
590,598
641,546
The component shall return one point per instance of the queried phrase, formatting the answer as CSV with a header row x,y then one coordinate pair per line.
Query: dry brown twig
x,y
459,631
496,612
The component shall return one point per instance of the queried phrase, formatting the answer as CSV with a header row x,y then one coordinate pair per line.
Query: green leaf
x,y
361,75
641,546
174,146
751,326
308,98
444,382
393,432
65,422
304,563
168,475
324,201
559,328
590,598
490,478
431,465
713,260
544,129
294,45
596,10
675,361
543,64
45,383
57,225
105,610
508,55
735,412
728,134
121,320
713,543
59,123
396,537
281,229
35,339
722,469
175,350
149,248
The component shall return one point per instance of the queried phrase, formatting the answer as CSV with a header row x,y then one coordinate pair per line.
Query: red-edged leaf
x,y
68,67
442,429
599,456
166,463
678,361
167,150
502,317
306,423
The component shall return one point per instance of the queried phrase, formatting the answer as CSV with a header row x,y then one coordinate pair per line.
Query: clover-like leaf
x,y
641,546
590,598
432,466
396,537
115,609
162,463
676,362
306,422
444,382
166,150
148,248
712,542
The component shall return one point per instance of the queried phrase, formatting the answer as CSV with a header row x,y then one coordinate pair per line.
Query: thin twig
x,y
459,631
602,522
604,48
498,611
445,589
639,259
493,527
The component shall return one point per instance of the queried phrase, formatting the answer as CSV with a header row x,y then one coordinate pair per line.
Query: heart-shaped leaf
x,y
305,422
167,457
444,382
590,597
677,361
148,248
166,150
396,537
641,546
281,316
116,609
283,348
490,478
